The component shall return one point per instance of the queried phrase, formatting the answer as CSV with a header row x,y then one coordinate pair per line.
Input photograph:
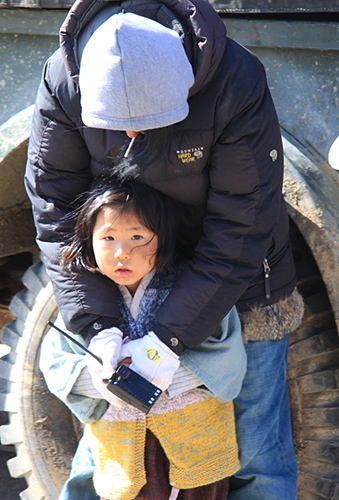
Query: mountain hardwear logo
x,y
274,154
190,155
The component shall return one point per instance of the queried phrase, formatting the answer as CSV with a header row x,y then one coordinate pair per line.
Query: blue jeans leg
x,y
79,485
262,413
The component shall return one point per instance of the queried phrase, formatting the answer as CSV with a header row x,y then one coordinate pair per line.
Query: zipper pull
x,y
267,279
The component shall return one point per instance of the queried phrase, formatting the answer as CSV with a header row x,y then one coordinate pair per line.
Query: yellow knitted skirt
x,y
199,441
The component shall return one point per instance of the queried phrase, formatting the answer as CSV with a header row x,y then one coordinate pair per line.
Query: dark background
x,y
9,487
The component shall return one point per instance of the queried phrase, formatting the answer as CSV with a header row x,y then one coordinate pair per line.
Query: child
x,y
185,447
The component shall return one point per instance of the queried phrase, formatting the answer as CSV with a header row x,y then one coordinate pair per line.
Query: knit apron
x,y
157,486
199,442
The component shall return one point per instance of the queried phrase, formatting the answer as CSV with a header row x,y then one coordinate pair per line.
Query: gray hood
x,y
200,28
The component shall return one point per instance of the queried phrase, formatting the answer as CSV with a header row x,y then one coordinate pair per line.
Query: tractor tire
x,y
313,379
40,427
45,448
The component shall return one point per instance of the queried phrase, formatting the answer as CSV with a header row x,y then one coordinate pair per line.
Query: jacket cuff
x,y
94,328
169,339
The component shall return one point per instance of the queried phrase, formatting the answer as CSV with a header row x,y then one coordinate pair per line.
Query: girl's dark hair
x,y
157,212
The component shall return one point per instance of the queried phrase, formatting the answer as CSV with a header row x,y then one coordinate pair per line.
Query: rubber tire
x,y
313,379
40,426
45,448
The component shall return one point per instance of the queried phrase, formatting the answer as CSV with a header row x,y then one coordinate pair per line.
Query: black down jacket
x,y
225,158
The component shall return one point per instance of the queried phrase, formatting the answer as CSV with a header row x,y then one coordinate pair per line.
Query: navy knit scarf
x,y
155,294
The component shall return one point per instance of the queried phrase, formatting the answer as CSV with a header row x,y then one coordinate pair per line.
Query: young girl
x,y
185,447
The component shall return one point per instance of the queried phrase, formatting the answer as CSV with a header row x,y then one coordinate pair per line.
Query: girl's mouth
x,y
123,271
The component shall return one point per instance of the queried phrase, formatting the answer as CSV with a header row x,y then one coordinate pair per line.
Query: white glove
x,y
106,345
151,359
95,368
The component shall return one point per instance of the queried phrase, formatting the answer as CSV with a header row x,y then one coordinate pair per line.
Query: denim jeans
x,y
268,465
79,485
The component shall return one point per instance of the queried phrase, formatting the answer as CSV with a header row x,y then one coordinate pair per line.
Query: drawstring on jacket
x,y
127,152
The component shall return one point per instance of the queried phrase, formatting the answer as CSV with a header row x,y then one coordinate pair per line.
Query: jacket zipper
x,y
267,270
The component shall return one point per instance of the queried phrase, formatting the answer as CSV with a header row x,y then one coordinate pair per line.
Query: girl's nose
x,y
121,253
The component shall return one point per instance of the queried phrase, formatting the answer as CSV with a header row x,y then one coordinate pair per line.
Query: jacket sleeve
x,y
220,361
61,363
58,170
244,201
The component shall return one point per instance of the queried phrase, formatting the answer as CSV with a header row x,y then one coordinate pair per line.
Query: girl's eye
x,y
136,237
109,238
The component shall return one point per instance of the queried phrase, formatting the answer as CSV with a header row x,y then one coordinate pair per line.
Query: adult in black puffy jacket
x,y
211,140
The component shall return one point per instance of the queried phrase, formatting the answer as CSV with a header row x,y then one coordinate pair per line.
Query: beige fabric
x,y
275,321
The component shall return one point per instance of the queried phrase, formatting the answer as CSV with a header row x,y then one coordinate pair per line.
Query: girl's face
x,y
124,249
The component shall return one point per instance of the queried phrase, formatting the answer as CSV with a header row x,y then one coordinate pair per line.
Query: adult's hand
x,y
152,359
106,345
96,371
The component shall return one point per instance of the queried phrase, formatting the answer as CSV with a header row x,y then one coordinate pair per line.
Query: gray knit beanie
x,y
134,75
